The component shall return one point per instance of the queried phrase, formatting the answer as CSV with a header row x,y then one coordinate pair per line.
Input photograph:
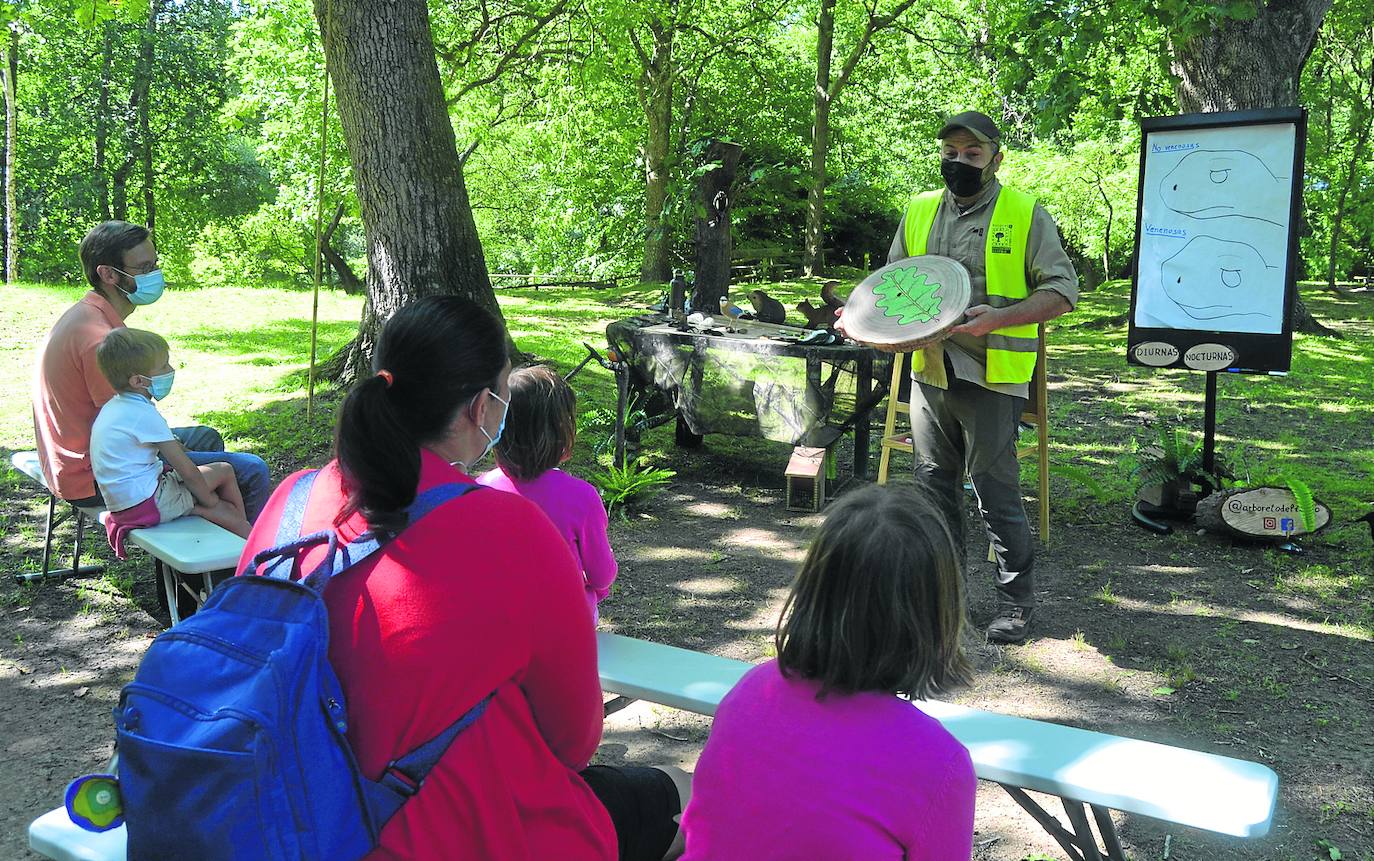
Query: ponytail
x,y
433,356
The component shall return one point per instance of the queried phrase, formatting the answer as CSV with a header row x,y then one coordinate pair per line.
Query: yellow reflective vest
x,y
1011,349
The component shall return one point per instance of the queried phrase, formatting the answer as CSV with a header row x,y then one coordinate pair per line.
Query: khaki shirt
x,y
963,236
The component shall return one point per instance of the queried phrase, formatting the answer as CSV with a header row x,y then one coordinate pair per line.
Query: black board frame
x,y
1253,353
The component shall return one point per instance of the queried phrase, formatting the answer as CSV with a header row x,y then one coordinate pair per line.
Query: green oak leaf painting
x,y
908,295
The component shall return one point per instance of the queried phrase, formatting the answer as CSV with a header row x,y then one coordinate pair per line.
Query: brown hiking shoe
x,y
1012,624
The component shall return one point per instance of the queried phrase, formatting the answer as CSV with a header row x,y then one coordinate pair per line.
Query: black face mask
x,y
964,180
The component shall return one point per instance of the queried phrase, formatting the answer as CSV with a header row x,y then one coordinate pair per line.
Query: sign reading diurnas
x,y
1156,354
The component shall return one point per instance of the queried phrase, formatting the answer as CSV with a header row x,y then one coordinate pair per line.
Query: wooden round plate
x,y
908,304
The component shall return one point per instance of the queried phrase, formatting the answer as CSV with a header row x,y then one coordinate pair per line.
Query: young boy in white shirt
x,y
129,435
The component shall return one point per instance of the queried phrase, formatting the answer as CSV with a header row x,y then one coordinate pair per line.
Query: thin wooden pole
x,y
319,225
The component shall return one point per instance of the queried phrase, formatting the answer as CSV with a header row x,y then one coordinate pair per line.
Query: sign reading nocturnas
x,y
1216,240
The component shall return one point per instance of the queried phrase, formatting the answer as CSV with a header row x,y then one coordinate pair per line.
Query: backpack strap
x,y
280,559
404,776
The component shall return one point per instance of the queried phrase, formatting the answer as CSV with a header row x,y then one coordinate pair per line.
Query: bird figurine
x,y
733,311
766,308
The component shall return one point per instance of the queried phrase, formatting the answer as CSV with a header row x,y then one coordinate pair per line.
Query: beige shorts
x,y
173,498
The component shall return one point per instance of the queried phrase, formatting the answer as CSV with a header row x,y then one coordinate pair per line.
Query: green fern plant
x,y
1080,476
1174,458
629,485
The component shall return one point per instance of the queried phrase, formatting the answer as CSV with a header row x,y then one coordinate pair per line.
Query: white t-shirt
x,y
123,452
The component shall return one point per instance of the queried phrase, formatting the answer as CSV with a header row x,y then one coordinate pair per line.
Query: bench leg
x,y
169,586
610,707
55,520
1080,843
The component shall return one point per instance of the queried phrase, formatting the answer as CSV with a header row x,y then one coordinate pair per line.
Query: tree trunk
x,y
11,73
1242,64
656,99
145,137
351,284
1256,63
713,243
420,235
102,121
820,140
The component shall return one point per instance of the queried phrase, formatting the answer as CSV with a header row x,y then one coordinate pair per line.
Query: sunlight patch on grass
x,y
1203,610
708,586
674,554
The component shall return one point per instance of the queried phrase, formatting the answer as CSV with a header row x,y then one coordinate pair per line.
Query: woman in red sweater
x,y
480,595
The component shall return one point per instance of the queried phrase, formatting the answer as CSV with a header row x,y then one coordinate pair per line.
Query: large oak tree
x,y
421,239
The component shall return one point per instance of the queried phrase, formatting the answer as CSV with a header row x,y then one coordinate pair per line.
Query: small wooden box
x,y
806,479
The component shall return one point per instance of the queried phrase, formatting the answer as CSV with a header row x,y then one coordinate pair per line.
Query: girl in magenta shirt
x,y
816,755
539,436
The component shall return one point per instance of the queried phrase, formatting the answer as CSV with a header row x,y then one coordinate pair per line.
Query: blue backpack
x,y
231,735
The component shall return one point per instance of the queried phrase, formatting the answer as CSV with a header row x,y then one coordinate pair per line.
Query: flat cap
x,y
980,125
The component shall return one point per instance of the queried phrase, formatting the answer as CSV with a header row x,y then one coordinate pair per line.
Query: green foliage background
x,y
556,126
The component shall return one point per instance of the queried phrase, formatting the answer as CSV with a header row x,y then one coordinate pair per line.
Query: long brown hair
x,y
541,425
439,352
878,604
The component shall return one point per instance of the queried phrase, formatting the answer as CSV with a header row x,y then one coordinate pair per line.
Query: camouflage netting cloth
x,y
744,387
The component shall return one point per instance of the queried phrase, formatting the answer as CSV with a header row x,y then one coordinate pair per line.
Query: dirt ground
x,y
1257,672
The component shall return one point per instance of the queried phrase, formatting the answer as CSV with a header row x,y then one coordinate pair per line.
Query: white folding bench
x,y
54,835
188,545
1086,770
27,463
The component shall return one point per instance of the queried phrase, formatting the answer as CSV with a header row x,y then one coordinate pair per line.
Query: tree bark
x,y
656,100
11,73
420,235
1255,63
1242,64
820,140
713,241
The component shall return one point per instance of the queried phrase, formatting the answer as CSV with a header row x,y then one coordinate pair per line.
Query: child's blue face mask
x,y
147,287
160,385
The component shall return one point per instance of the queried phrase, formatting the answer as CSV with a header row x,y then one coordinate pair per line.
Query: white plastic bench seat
x,y
1202,790
54,835
191,545
27,463
188,545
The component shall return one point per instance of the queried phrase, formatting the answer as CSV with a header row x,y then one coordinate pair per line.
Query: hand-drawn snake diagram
x,y
1214,229
1202,278
1233,183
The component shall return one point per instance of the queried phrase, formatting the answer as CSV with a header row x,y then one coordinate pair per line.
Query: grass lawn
x,y
1235,649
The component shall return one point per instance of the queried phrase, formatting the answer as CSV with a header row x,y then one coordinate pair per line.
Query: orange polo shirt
x,y
68,392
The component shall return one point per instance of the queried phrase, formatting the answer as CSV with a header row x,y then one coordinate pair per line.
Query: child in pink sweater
x,y
541,426
816,754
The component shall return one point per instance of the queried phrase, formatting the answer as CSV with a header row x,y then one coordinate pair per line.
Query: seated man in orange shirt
x,y
120,263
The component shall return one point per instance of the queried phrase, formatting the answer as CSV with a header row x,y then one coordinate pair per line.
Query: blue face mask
x,y
160,385
147,287
500,429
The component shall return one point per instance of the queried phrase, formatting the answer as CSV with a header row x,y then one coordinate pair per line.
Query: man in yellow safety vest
x,y
969,390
